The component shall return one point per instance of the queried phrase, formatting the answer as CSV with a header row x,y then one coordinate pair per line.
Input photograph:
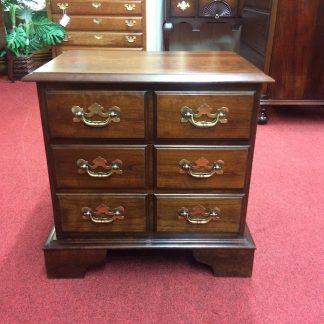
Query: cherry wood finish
x,y
153,186
62,122
239,107
133,166
72,221
293,52
106,24
168,220
171,176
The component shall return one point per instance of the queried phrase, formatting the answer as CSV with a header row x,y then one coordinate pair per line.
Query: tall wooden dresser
x,y
104,24
148,151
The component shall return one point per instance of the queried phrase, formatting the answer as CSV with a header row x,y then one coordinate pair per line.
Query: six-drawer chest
x,y
149,150
104,24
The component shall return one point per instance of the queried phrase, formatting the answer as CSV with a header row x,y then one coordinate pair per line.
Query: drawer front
x,y
204,115
61,49
196,214
97,166
103,7
104,23
183,8
108,39
201,168
102,213
96,114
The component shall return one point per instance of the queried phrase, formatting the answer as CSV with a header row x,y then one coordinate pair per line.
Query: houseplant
x,y
27,31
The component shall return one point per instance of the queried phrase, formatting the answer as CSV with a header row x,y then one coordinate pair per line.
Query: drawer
x,y
96,114
103,7
96,166
198,214
102,213
61,49
201,168
204,115
180,8
108,39
210,8
97,23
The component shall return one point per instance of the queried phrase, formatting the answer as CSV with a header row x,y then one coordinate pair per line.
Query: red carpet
x,y
286,216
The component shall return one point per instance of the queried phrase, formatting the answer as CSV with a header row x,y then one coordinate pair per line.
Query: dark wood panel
x,y
298,53
2,29
73,220
232,4
237,106
168,219
170,175
67,170
63,123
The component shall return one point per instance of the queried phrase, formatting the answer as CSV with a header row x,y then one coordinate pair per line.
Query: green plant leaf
x,y
16,39
49,32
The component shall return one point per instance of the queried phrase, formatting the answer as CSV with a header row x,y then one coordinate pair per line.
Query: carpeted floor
x,y
286,216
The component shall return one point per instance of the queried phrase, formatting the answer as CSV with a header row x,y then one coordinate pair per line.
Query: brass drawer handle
x,y
96,5
129,6
187,115
130,23
67,37
112,115
98,37
199,215
97,21
183,5
99,162
63,6
202,168
130,39
103,214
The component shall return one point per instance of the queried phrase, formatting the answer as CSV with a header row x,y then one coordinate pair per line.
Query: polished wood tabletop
x,y
171,67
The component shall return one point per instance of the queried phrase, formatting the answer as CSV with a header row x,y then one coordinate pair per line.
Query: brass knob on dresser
x,y
183,5
96,5
63,6
112,115
130,22
114,168
103,214
129,6
199,215
130,39
220,117
202,168
98,37
97,21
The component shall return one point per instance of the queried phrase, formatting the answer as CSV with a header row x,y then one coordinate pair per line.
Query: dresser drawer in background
x,y
97,23
108,39
99,166
201,167
199,214
204,115
108,7
102,213
96,114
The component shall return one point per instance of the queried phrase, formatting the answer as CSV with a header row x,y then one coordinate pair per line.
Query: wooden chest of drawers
x,y
149,150
105,24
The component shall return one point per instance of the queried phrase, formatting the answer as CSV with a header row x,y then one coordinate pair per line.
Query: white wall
x,y
154,23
